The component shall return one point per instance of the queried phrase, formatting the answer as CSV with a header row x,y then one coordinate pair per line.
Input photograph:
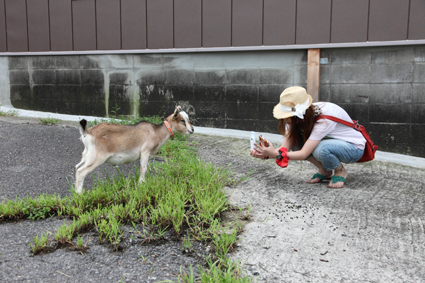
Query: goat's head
x,y
180,121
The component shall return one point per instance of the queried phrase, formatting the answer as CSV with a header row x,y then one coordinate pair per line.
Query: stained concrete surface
x,y
370,231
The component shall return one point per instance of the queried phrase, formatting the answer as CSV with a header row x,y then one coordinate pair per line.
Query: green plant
x,y
10,113
39,208
79,242
185,277
144,258
40,244
245,212
80,246
110,230
49,121
187,243
114,110
223,270
64,234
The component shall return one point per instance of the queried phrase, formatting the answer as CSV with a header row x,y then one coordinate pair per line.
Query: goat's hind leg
x,y
82,172
83,159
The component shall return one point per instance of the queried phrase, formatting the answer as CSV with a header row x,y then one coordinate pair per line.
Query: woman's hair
x,y
300,128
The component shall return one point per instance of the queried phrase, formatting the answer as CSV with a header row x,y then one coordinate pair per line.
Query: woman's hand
x,y
263,152
256,153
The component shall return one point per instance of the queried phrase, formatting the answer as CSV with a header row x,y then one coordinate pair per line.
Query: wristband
x,y
282,158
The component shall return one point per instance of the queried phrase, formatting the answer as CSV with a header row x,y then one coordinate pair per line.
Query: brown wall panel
x,y
133,24
16,24
60,25
216,25
3,46
108,17
313,21
349,20
417,20
187,23
84,24
388,20
160,24
279,22
38,25
247,23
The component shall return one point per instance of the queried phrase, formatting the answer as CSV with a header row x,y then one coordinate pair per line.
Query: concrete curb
x,y
274,138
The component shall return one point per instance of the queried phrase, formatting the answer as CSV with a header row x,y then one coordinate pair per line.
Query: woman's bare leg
x,y
339,171
321,171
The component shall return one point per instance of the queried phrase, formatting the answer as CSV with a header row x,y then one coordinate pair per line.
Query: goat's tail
x,y
83,128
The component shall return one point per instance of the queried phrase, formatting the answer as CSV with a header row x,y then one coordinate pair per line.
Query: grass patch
x,y
125,121
49,121
183,196
10,113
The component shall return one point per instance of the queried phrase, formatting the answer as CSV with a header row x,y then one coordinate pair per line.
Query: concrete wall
x,y
383,87
228,90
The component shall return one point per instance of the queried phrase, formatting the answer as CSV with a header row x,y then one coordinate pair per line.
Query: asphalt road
x,y
39,159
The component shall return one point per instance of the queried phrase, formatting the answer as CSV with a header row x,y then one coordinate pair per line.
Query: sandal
x,y
320,176
336,179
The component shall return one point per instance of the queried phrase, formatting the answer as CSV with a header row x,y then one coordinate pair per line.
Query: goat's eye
x,y
183,121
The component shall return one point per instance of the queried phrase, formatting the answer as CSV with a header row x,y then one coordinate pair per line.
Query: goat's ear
x,y
176,113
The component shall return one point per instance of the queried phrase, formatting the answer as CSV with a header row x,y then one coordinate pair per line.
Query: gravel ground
x,y
372,230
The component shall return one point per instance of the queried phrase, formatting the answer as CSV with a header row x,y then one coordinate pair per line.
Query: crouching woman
x,y
325,143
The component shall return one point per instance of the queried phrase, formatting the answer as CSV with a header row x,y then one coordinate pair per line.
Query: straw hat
x,y
293,102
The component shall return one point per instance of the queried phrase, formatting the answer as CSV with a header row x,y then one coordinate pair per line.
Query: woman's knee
x,y
320,152
323,153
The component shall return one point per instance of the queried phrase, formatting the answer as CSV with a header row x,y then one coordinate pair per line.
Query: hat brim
x,y
279,114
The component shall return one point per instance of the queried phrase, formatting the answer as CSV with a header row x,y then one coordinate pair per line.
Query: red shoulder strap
x,y
353,125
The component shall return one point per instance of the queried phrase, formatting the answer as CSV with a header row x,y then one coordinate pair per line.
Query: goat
x,y
122,144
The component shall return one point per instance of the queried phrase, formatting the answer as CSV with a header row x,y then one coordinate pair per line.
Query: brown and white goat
x,y
121,144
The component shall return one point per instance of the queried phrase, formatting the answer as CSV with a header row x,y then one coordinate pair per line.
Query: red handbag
x,y
370,147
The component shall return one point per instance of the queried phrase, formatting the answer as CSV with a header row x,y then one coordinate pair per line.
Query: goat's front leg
x,y
144,159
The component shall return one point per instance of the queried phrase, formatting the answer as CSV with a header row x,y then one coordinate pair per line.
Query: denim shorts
x,y
331,152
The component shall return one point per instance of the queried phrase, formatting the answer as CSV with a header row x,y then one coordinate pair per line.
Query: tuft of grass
x,y
40,244
187,243
182,195
10,113
49,121
125,121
